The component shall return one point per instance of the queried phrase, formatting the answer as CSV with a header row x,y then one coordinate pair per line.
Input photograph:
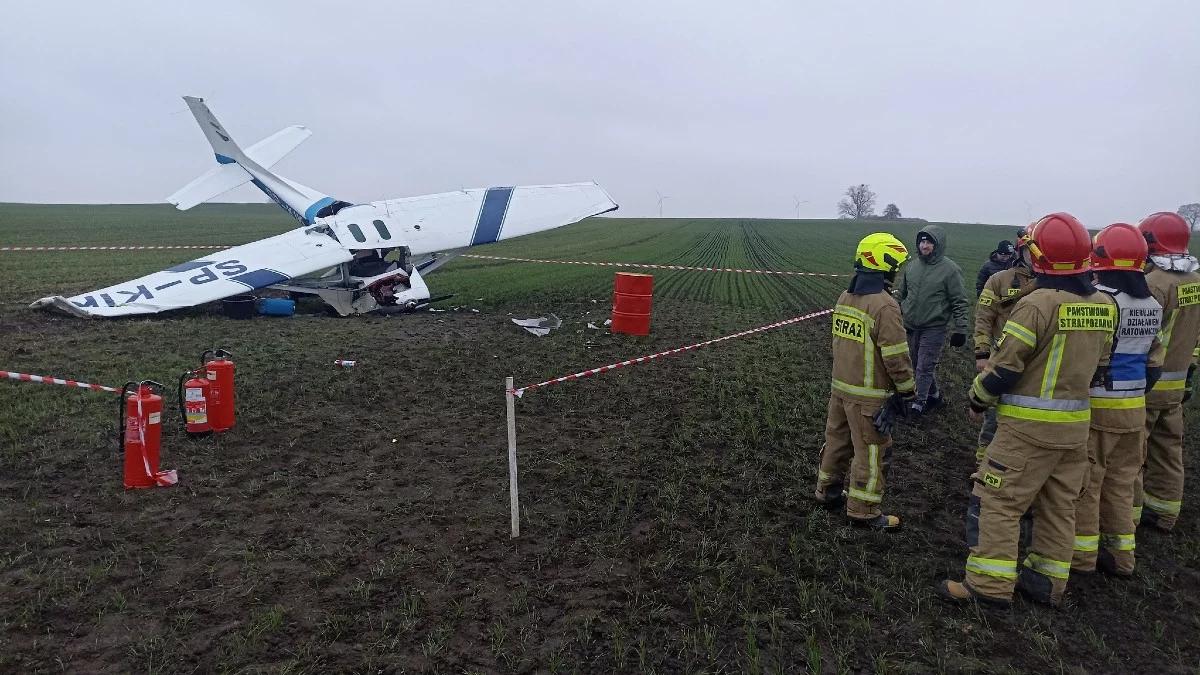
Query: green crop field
x,y
357,519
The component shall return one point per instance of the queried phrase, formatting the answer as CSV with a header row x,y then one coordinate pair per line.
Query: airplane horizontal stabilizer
x,y
216,181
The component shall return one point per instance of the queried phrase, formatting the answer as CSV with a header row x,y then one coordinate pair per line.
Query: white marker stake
x,y
512,457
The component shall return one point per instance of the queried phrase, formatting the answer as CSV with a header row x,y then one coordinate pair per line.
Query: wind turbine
x,y
661,197
798,203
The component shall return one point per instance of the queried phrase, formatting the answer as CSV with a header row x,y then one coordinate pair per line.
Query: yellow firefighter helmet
x,y
880,252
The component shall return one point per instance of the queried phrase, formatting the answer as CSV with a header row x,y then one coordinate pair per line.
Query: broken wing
x,y
236,270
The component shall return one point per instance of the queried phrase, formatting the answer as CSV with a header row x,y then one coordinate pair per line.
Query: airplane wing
x,y
455,220
236,270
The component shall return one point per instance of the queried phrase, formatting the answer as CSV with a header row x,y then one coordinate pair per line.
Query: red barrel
x,y
632,296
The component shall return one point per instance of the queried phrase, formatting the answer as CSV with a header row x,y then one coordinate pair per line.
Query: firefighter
x,y
871,372
1000,292
1172,277
1104,525
1038,378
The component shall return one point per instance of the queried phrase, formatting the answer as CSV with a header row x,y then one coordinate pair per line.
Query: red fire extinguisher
x,y
219,372
141,433
194,394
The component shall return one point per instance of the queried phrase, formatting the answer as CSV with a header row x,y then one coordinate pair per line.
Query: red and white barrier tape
x,y
642,359
160,478
109,248
652,266
26,377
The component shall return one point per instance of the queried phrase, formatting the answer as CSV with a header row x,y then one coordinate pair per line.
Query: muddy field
x,y
357,519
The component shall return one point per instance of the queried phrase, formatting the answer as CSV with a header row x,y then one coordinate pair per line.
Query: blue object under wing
x,y
260,278
491,215
222,159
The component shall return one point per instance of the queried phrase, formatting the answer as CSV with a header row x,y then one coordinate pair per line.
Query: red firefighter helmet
x,y
1059,245
1119,248
1165,232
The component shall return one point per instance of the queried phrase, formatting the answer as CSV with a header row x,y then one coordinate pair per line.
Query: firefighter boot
x,y
832,497
1114,564
883,522
959,593
1160,521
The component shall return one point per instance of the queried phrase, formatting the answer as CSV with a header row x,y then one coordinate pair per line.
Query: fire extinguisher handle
x,y
182,408
125,389
162,388
219,353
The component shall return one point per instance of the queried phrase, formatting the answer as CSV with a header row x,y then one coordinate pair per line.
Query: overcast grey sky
x,y
953,110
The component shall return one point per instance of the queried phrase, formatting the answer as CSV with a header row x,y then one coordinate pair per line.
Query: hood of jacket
x,y
938,235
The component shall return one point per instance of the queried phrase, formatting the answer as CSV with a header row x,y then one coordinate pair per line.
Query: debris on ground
x,y
540,326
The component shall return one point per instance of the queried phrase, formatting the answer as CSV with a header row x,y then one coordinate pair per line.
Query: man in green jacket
x,y
933,303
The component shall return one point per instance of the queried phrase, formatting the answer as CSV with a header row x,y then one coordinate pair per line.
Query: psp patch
x,y
1086,316
993,480
848,327
1189,294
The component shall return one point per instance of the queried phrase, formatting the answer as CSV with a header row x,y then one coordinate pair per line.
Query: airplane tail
x,y
237,167
222,143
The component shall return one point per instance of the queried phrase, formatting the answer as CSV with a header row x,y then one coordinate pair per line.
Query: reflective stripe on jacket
x,y
1119,403
870,350
994,304
1052,344
1179,295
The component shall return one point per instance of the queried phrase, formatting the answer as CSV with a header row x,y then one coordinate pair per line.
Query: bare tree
x,y
891,212
859,202
1190,213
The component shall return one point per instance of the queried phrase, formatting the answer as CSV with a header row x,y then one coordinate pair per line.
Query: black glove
x,y
1187,384
897,406
958,339
976,405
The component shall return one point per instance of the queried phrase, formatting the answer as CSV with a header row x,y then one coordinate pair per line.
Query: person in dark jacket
x,y
1000,259
933,302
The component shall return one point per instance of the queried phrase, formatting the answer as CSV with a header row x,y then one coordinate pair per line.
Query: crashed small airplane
x,y
358,258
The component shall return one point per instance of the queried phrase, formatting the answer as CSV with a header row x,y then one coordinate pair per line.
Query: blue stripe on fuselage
x,y
310,214
279,200
260,278
491,215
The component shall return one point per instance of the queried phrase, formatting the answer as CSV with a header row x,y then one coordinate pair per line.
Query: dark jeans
x,y
925,348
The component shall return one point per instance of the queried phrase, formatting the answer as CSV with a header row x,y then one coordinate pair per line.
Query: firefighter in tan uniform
x,y
1000,292
1173,279
1038,378
872,376
1104,524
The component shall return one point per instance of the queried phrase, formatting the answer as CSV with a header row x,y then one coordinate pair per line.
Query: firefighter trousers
x,y
854,450
1104,522
1161,486
1013,477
